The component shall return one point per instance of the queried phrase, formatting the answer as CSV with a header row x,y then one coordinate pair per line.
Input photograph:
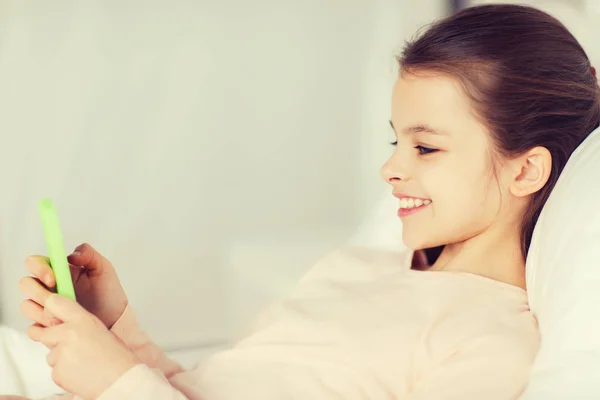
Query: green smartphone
x,y
56,249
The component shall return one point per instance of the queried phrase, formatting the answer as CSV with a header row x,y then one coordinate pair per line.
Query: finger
x,y
64,308
33,311
49,337
35,332
52,357
39,266
86,256
33,289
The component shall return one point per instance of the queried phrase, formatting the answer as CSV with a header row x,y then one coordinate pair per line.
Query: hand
x,y
86,359
97,286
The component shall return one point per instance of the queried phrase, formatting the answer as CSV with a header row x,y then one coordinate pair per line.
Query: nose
x,y
392,171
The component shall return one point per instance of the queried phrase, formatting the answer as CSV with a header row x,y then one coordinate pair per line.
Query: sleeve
x,y
158,377
56,396
128,331
143,383
493,367
237,376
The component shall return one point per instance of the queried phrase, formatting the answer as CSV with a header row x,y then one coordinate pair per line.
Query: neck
x,y
495,254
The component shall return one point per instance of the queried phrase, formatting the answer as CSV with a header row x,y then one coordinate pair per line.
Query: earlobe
x,y
532,171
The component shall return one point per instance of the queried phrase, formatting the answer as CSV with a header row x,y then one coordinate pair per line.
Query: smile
x,y
410,205
409,202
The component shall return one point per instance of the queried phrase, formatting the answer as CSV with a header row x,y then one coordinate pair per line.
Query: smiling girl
x,y
488,106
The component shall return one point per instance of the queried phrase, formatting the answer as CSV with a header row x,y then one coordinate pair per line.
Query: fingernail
x,y
75,253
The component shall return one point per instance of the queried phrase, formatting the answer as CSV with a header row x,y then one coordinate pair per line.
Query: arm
x,y
252,369
256,367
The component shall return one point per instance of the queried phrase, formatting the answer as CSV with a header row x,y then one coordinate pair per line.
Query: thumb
x,y
64,308
86,256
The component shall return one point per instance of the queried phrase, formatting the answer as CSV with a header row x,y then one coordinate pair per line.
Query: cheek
x,y
465,202
468,204
452,183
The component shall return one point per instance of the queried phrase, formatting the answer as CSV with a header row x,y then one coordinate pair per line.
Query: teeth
x,y
412,203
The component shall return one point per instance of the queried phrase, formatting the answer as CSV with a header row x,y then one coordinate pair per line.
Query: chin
x,y
420,242
414,242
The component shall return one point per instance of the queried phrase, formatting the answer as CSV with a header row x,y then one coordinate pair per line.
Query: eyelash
x,y
423,151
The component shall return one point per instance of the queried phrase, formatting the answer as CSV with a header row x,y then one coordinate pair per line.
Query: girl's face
x,y
441,169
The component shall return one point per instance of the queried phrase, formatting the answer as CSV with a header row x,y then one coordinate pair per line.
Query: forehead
x,y
432,100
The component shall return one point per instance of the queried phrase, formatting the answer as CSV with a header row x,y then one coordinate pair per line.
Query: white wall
x,y
212,150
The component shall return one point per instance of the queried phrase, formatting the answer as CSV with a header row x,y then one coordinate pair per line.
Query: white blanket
x,y
23,368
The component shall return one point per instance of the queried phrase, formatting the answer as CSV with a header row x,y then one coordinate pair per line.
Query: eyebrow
x,y
422,128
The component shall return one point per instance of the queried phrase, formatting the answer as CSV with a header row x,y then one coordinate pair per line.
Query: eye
x,y
394,143
425,150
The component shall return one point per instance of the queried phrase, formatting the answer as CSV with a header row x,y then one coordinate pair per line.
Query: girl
x,y
487,108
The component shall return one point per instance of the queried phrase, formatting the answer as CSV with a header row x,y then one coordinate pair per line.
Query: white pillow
x,y
563,282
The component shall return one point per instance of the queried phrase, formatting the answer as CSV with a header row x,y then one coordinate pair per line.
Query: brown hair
x,y
530,82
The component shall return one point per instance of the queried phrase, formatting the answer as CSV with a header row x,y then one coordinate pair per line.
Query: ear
x,y
530,171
